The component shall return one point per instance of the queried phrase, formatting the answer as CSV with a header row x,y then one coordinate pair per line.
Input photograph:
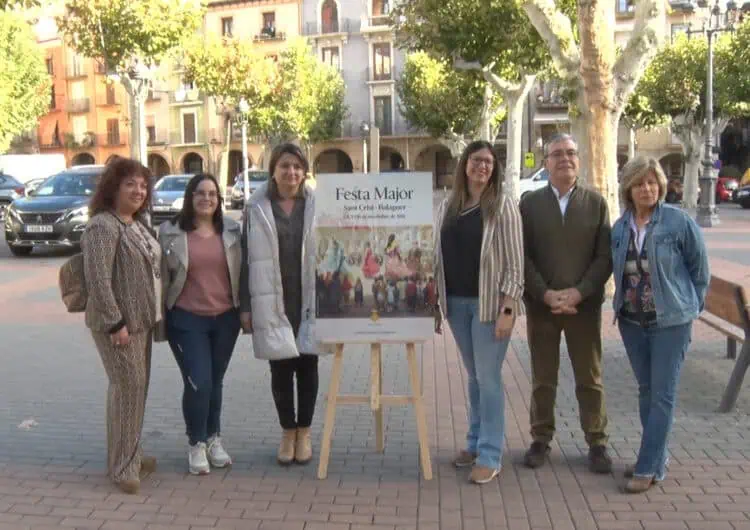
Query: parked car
x,y
169,194
256,178
53,215
33,184
743,196
533,181
724,188
10,190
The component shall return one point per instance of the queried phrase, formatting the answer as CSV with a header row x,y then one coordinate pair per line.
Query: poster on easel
x,y
375,272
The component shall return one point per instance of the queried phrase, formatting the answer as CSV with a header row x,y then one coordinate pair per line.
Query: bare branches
x,y
647,36
557,31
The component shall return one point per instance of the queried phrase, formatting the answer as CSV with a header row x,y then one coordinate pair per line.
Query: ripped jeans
x,y
203,347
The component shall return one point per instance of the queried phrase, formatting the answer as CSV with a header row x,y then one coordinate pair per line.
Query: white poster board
x,y
375,276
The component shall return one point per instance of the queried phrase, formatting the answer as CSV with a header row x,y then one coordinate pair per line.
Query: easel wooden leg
x,y
376,390
419,412
330,420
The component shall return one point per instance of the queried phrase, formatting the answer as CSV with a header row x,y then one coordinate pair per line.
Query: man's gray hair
x,y
556,138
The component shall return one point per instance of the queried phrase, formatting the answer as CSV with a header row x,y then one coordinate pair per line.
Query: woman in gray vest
x,y
278,294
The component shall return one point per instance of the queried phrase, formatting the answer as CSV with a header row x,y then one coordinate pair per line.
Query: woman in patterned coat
x,y
122,266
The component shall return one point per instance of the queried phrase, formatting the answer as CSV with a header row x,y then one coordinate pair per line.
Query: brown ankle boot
x,y
148,465
285,455
303,448
130,486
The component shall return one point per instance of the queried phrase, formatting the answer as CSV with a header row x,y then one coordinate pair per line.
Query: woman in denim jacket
x,y
661,276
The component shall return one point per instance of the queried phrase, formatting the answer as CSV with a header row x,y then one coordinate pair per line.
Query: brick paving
x,y
51,474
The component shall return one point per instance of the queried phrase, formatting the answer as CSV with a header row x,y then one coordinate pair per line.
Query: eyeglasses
x,y
479,161
206,195
570,153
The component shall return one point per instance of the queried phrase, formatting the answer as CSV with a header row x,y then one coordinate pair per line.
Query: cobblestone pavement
x,y
52,438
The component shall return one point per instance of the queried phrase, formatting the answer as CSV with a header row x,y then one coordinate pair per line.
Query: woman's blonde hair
x,y
634,172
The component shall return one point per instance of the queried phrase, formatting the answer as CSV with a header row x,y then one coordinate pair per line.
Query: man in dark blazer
x,y
568,261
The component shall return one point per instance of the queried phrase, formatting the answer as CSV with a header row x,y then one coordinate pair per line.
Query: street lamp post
x,y
707,215
364,130
244,108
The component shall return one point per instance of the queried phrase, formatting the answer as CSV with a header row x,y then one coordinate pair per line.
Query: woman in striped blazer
x,y
479,257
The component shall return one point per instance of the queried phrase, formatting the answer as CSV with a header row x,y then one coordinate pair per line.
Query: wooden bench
x,y
728,312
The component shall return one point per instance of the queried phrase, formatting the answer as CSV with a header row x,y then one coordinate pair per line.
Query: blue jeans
x,y
656,356
202,347
483,357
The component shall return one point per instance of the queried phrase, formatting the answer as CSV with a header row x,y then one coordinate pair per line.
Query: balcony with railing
x,y
269,35
549,97
108,100
624,8
75,70
156,136
187,138
381,74
219,135
79,141
380,20
112,139
78,105
335,27
50,145
186,97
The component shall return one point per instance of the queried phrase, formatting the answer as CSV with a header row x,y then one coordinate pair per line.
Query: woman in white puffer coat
x,y
277,300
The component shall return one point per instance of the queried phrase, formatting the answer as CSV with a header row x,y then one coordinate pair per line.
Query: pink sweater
x,y
207,290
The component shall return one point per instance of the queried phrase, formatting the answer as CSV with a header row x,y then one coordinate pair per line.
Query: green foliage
x,y
24,82
486,31
675,82
735,62
639,114
232,69
312,107
118,32
298,98
8,5
435,98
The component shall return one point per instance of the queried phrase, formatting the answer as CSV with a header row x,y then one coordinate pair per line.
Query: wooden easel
x,y
377,400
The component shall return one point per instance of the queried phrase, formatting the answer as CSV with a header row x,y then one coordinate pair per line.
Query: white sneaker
x,y
217,455
197,460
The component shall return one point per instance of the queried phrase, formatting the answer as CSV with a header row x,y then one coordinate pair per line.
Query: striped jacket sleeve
x,y
511,241
99,246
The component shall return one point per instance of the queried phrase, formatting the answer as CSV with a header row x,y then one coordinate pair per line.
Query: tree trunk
x,y
456,143
138,92
485,124
691,137
515,101
599,113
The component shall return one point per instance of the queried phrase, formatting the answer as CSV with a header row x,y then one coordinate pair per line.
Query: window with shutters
x,y
113,132
331,56
381,56
227,24
189,133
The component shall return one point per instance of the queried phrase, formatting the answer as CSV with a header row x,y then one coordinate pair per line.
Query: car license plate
x,y
162,208
38,229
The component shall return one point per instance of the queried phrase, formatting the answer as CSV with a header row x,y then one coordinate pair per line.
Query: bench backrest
x,y
727,301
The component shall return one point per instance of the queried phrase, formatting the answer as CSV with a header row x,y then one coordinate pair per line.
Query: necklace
x,y
152,253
